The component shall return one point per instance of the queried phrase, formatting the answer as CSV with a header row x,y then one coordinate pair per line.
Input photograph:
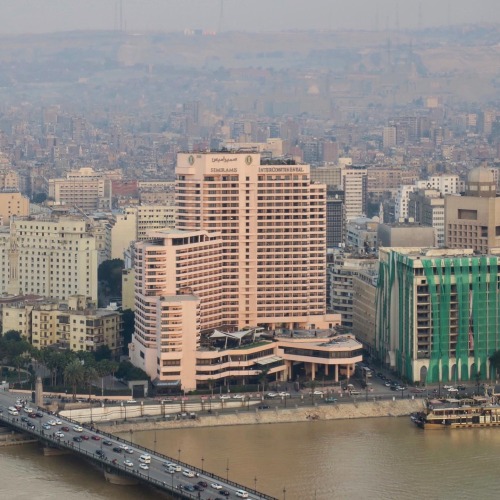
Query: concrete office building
x,y
84,188
437,313
364,287
473,220
342,267
409,234
426,207
49,256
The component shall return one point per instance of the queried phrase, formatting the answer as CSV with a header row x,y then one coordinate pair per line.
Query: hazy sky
x,y
39,16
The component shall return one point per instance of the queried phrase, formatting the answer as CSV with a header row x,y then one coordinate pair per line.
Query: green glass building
x,y
438,313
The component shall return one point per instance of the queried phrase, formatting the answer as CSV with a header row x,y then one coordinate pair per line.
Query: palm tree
x,y
263,377
74,375
89,375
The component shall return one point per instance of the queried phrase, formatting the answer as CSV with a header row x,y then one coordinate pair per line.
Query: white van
x,y
13,411
241,494
145,459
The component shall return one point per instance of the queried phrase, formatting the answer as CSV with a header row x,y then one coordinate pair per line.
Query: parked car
x,y
331,400
263,407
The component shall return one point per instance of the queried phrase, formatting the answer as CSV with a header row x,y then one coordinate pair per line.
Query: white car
x,y
448,387
58,422
216,486
225,396
60,434
452,389
241,494
283,395
145,459
128,463
238,396
124,447
76,428
271,395
51,422
317,393
170,470
28,409
188,473
144,466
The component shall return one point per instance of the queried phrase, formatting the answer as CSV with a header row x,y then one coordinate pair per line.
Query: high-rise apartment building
x,y
354,185
49,256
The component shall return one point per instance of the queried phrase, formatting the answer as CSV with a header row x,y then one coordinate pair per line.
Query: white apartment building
x,y
136,222
444,183
49,256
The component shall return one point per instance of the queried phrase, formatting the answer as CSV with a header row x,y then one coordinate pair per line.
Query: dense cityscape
x,y
210,228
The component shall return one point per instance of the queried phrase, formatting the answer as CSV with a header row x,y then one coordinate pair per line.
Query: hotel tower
x,y
249,250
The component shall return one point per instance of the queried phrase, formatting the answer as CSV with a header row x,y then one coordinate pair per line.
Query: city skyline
x,y
44,16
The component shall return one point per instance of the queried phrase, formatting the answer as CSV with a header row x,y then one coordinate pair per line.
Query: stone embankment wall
x,y
278,416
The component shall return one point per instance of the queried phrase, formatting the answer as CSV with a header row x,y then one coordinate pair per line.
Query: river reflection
x,y
384,458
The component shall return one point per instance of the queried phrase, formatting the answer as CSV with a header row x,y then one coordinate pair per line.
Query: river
x,y
385,458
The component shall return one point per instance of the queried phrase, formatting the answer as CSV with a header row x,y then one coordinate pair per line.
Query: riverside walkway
x,y
118,458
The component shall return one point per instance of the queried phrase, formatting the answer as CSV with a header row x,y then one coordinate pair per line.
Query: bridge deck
x,y
99,447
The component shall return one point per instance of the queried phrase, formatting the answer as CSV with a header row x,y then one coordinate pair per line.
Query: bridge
x,y
119,458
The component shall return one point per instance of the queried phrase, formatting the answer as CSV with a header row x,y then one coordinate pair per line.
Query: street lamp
x,y
284,493
255,483
227,470
179,451
202,461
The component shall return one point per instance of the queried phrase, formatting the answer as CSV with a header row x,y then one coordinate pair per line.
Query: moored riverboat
x,y
455,414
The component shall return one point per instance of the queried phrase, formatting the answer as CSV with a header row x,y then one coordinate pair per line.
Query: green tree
x,y
103,352
128,321
74,374
110,278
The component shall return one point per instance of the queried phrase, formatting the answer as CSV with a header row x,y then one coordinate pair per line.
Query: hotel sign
x,y
285,169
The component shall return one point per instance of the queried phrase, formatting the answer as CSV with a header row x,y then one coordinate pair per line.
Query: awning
x,y
268,360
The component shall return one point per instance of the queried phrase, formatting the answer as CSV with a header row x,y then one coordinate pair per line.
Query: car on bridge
x,y
76,428
128,463
188,473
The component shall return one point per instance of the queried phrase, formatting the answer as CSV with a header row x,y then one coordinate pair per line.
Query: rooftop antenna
x,y
121,15
221,16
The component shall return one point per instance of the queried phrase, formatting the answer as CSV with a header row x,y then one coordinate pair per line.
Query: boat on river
x,y
458,413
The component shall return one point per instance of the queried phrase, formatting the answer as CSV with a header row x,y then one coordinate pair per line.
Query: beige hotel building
x,y
249,251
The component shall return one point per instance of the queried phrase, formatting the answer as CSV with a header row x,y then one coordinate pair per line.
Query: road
x,y
92,443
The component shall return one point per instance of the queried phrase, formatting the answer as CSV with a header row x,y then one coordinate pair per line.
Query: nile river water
x,y
385,458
